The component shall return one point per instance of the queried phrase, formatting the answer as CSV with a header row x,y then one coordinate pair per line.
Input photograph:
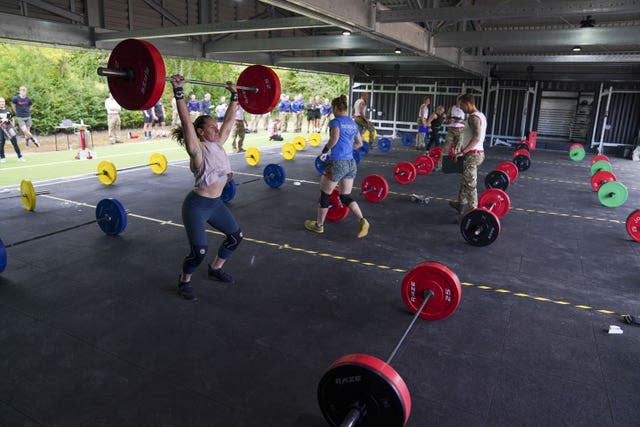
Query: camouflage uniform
x,y
453,137
468,194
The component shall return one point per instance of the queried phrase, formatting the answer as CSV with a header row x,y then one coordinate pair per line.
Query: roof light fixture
x,y
346,32
577,49
398,51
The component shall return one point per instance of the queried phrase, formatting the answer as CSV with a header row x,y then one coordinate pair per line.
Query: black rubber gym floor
x,y
92,332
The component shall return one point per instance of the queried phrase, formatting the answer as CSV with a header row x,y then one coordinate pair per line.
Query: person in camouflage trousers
x,y
472,151
455,127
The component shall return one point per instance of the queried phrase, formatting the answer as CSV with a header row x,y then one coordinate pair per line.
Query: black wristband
x,y
178,92
234,96
325,149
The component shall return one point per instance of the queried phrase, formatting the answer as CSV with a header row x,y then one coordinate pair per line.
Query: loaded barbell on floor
x,y
28,195
363,390
481,226
273,175
504,174
136,76
110,216
611,193
107,172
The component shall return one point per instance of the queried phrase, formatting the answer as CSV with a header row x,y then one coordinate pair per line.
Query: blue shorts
x,y
340,169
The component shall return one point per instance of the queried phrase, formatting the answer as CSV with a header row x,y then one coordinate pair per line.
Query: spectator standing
x,y
423,127
221,109
238,130
206,104
175,117
274,130
113,119
285,111
22,106
317,105
147,119
194,107
8,132
455,121
325,112
297,108
158,119
434,122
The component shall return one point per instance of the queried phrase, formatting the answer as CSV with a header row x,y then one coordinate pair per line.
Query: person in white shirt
x,y
423,126
113,119
455,127
238,130
472,151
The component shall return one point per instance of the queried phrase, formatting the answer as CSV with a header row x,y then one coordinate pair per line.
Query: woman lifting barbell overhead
x,y
341,168
210,165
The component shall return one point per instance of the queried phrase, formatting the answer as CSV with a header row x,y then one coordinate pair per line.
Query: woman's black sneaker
x,y
218,274
185,290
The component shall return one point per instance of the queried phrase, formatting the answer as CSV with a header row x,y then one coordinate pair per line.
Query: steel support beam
x,y
535,59
56,10
21,28
612,36
506,10
281,44
217,28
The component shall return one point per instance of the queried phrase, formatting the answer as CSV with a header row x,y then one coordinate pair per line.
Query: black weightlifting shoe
x,y
185,290
219,275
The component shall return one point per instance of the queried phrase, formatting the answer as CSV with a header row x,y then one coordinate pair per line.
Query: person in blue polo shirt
x,y
285,111
297,108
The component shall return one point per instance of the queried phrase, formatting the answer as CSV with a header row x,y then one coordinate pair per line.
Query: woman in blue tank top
x,y
341,168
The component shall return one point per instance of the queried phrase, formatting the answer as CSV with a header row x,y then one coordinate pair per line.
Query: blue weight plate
x,y
364,150
111,216
274,175
408,139
229,191
384,145
320,165
3,257
356,156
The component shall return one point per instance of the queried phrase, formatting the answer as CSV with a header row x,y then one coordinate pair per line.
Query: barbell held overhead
x,y
136,76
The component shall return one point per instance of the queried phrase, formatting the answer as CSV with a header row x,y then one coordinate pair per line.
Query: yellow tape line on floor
x,y
286,246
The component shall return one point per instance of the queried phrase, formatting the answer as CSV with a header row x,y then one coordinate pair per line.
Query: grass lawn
x,y
60,164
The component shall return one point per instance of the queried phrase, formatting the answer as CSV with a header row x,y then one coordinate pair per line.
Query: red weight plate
x,y
510,169
440,280
600,178
599,157
337,212
633,225
572,146
268,84
146,66
533,138
360,379
424,164
374,188
496,198
522,152
435,152
404,173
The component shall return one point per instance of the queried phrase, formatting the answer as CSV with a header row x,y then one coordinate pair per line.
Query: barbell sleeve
x,y
427,295
108,72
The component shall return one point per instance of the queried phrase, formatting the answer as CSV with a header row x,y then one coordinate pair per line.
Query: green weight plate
x,y
577,154
600,165
613,194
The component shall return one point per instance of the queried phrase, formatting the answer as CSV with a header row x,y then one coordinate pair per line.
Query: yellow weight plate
x,y
299,142
366,136
288,151
375,135
107,173
158,163
314,139
252,156
28,195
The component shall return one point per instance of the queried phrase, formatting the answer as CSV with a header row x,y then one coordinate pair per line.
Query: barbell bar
x,y
108,174
362,390
272,174
110,216
28,195
136,76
